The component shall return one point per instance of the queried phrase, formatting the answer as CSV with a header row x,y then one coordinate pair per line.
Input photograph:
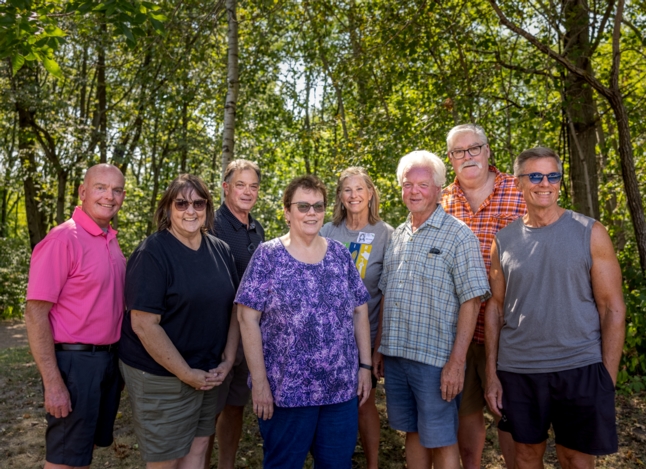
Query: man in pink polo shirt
x,y
74,310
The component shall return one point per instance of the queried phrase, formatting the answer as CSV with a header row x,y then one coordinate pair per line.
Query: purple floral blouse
x,y
307,325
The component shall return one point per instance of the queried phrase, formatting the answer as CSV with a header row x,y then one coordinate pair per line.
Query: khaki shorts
x,y
473,399
167,413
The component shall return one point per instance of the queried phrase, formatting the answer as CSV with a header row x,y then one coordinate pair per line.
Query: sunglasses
x,y
537,178
182,205
304,207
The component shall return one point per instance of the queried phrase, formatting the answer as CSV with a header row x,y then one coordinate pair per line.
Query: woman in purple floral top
x,y
304,323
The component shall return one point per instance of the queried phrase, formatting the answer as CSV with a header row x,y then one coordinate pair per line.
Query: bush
x,y
14,272
632,371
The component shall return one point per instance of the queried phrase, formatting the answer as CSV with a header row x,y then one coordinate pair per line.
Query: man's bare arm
x,y
377,358
494,315
606,281
41,342
452,380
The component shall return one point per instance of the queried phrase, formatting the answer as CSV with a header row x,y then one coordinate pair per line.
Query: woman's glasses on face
x,y
304,207
182,205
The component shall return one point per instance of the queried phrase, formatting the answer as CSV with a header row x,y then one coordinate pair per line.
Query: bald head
x,y
103,168
102,193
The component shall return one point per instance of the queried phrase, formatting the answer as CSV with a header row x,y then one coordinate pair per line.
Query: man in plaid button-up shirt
x,y
487,201
433,281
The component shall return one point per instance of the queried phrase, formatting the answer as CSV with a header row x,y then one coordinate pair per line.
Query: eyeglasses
x,y
537,178
304,207
473,151
182,205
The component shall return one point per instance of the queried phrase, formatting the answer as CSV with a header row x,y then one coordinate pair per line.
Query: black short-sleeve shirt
x,y
242,239
193,291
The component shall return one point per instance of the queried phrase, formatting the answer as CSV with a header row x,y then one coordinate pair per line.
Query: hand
x,y
200,379
221,371
493,394
452,380
365,385
378,365
57,400
263,401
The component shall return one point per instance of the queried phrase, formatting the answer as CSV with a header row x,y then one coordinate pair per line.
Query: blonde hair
x,y
339,213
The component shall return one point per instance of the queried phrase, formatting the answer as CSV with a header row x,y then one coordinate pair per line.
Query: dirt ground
x,y
12,334
22,425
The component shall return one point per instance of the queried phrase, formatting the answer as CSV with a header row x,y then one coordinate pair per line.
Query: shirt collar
x,y
237,224
434,221
492,169
89,225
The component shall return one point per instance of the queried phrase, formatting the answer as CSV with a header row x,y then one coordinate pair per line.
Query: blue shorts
x,y
415,405
94,383
329,432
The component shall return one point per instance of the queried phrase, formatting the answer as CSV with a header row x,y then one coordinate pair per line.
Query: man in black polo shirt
x,y
235,226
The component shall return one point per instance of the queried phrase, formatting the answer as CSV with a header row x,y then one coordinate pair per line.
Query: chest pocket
x,y
438,271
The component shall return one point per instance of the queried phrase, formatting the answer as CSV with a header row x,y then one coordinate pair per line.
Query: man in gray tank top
x,y
554,327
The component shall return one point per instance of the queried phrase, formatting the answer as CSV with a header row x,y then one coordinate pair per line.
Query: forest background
x,y
314,86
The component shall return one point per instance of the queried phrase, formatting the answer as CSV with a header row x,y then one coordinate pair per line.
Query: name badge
x,y
365,238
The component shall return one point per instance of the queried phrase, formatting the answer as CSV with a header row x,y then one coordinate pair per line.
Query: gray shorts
x,y
234,390
167,413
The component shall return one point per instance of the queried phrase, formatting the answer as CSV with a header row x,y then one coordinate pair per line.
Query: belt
x,y
85,348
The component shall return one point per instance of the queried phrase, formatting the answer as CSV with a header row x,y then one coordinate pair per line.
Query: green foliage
x,y
632,374
14,271
30,29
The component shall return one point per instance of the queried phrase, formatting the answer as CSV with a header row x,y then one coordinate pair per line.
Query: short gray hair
x,y
535,154
422,159
240,165
465,128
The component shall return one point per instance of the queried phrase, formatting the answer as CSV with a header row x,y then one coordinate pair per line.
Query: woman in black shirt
x,y
179,338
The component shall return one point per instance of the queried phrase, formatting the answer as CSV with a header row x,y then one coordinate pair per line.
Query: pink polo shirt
x,y
82,271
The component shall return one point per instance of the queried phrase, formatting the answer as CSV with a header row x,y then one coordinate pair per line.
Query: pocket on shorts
x,y
605,381
168,385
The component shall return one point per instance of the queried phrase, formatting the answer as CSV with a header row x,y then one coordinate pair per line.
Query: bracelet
x,y
367,367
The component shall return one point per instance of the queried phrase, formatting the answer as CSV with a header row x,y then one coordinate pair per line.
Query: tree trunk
x,y
631,185
102,100
60,196
228,134
25,87
580,111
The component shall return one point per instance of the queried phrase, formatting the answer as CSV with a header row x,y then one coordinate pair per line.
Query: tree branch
x,y
616,52
590,79
602,26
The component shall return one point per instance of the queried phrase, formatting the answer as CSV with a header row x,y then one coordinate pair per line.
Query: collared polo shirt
x,y
80,268
427,275
499,209
238,236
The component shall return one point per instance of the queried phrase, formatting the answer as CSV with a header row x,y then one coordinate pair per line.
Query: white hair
x,y
423,159
463,129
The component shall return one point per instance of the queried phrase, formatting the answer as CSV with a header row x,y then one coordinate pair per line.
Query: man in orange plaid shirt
x,y
487,201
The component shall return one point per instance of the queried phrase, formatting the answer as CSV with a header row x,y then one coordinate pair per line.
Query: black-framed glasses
x,y
182,205
304,207
537,178
473,151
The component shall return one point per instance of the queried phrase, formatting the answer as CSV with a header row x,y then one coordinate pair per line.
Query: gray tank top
x,y
551,322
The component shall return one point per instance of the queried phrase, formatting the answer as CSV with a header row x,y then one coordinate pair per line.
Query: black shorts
x,y
94,383
579,403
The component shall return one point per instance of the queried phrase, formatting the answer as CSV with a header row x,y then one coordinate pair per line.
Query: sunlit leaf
x,y
52,67
17,61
